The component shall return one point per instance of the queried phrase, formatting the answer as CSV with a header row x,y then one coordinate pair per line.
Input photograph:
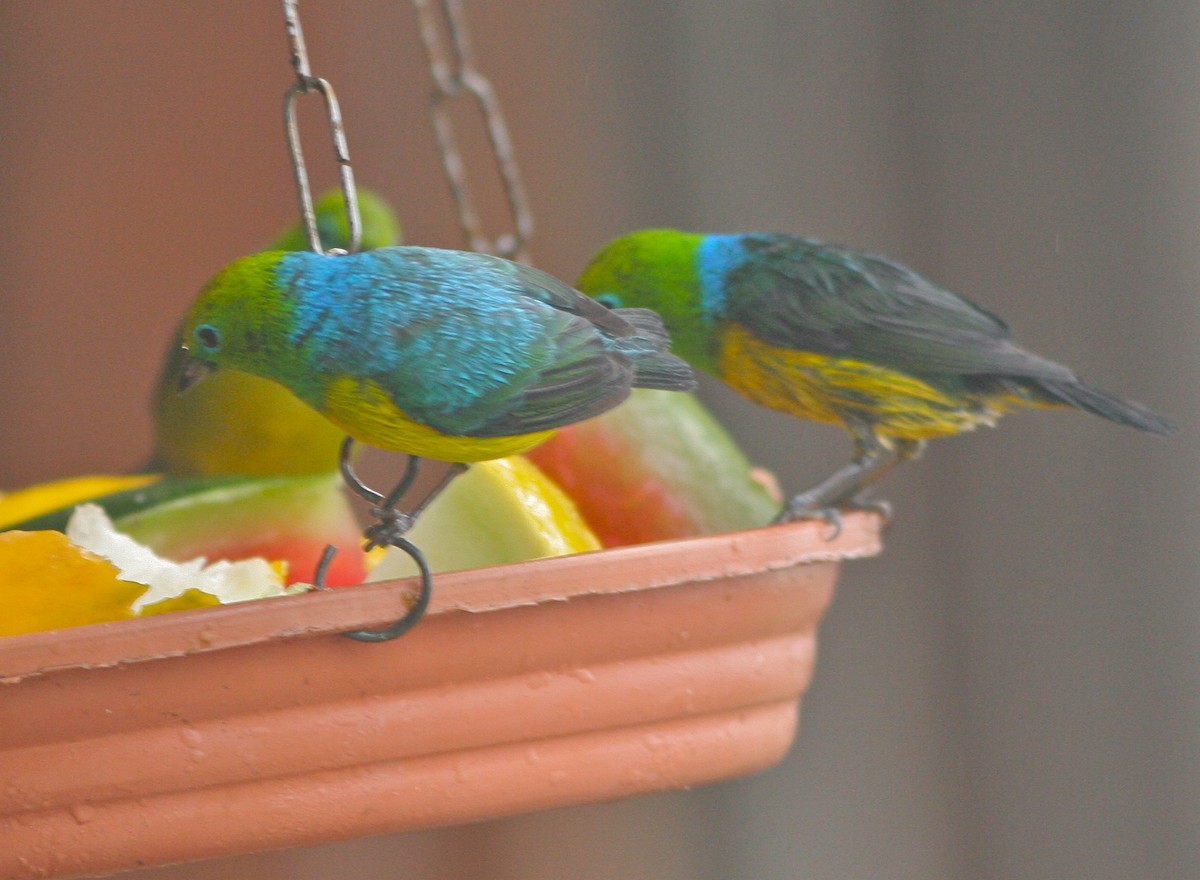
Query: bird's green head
x,y
380,226
657,269
238,423
238,322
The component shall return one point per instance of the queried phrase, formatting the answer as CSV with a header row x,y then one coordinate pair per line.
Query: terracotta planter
x,y
541,684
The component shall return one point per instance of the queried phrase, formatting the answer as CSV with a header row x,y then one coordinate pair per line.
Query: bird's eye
x,y
208,336
608,300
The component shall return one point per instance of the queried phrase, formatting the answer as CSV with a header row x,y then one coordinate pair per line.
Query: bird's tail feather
x,y
656,367
1100,403
664,371
649,324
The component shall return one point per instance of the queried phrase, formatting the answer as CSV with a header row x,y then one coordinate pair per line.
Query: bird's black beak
x,y
192,371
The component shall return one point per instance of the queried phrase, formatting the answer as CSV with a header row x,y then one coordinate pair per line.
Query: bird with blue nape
x,y
436,353
237,423
838,335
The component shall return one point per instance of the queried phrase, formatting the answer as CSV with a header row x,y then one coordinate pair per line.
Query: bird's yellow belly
x,y
843,390
365,412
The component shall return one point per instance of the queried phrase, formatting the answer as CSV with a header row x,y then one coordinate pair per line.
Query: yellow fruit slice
x,y
93,573
27,503
185,601
499,511
46,582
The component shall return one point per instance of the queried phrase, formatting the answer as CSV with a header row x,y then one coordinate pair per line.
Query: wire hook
x,y
306,83
388,530
452,67
415,612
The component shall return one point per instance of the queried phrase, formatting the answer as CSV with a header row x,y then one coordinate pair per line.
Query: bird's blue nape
x,y
716,257
323,284
442,331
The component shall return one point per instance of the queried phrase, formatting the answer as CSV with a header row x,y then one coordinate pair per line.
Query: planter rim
x,y
561,578
534,685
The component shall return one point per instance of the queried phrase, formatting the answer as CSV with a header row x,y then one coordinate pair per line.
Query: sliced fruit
x,y
185,601
278,518
224,580
24,504
50,580
152,491
499,511
658,466
46,582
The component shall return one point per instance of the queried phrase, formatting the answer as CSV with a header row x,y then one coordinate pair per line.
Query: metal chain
x,y
305,84
452,67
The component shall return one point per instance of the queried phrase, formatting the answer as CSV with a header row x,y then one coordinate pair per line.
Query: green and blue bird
x,y
840,336
380,226
436,353
237,423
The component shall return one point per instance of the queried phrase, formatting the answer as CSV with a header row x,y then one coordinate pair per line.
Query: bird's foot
x,y
878,506
389,527
388,530
809,506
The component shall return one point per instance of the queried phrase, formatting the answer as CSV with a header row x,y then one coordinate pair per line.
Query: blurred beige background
x,y
1013,691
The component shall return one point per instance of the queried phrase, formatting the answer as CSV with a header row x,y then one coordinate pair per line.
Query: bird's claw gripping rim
x,y
848,488
807,507
878,506
802,507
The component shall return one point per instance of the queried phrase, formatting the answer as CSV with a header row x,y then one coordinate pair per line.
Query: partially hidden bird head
x,y
231,323
242,423
380,226
659,269
234,322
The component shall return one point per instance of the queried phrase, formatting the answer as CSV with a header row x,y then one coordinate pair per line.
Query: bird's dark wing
x,y
501,366
578,375
583,379
638,334
545,288
802,294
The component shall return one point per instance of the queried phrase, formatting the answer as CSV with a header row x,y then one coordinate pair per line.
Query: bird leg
x,y
846,488
391,523
388,530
